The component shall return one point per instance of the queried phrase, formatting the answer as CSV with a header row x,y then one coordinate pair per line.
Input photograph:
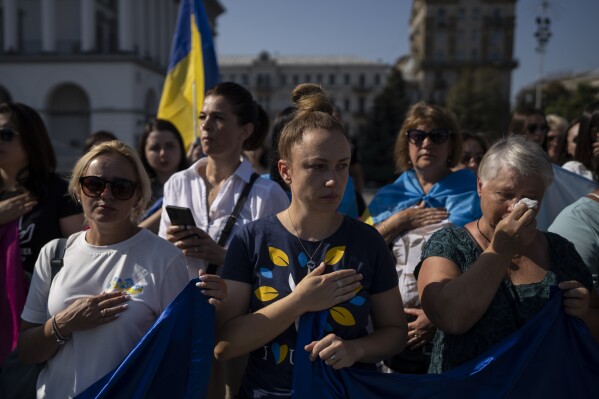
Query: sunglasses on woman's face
x,y
94,186
7,133
534,127
437,136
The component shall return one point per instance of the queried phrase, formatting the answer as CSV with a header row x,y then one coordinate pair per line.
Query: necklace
x,y
310,262
480,231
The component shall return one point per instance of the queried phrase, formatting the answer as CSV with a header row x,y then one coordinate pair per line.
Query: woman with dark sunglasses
x,y
33,208
115,281
426,197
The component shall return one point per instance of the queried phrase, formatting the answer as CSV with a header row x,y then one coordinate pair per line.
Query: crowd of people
x,y
458,253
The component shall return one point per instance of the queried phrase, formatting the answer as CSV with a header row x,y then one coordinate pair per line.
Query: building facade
x,y
449,37
88,65
352,82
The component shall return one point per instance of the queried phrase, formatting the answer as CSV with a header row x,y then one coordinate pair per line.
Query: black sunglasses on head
x,y
94,186
7,133
437,136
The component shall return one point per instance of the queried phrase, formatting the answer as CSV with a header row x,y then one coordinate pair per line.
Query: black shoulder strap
x,y
226,232
57,261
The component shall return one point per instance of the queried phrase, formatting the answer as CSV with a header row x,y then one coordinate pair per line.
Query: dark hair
x,y
153,125
423,113
520,119
245,109
96,138
314,111
282,119
587,135
564,143
41,159
467,135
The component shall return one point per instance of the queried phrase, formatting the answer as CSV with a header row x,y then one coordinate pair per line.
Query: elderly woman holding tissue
x,y
480,283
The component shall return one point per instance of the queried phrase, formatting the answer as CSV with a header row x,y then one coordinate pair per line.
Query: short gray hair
x,y
516,153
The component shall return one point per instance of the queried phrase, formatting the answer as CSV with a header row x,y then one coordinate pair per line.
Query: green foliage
x,y
377,135
557,99
476,102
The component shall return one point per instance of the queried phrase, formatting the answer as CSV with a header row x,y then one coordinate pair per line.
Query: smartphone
x,y
180,216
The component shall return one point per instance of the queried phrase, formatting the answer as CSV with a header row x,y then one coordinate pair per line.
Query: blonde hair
x,y
117,148
421,114
314,111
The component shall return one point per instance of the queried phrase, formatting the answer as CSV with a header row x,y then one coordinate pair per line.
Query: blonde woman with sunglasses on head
x,y
426,197
116,280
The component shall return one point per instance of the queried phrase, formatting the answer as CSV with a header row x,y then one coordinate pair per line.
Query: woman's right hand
x,y
515,232
318,291
90,312
15,207
409,219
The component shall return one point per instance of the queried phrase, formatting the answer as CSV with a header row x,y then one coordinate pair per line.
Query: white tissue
x,y
531,204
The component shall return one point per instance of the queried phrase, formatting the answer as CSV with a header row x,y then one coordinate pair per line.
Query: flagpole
x,y
194,111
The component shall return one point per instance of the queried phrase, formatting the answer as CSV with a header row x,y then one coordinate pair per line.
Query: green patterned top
x,y
512,305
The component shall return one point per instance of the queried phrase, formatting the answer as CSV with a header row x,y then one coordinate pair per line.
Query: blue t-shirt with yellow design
x,y
269,258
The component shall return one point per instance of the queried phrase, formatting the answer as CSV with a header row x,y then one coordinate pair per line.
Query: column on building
x,y
10,25
125,24
48,25
141,19
88,25
154,32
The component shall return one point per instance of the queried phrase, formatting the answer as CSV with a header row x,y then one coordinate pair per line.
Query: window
x,y
362,80
377,79
244,79
283,79
332,79
319,79
346,105
361,105
347,79
295,80
308,78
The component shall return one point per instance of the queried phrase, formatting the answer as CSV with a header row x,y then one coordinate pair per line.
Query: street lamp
x,y
542,34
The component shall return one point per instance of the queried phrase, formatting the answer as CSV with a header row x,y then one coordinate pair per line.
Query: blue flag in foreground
x,y
192,59
173,360
552,356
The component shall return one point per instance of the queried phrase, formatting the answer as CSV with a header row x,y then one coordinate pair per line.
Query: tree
x,y
377,135
476,103
557,99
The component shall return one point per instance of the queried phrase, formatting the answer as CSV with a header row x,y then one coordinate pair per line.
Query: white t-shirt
x,y
186,188
578,168
149,268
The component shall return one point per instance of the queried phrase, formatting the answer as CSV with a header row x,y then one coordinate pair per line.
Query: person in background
x,y
194,152
532,124
162,154
474,147
502,260
34,209
96,138
113,269
586,157
259,159
276,271
555,139
427,196
571,138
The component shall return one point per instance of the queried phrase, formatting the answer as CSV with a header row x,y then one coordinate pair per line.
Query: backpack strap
x,y
226,232
57,262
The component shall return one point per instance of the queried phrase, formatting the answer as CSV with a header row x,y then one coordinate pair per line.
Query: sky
x,y
378,30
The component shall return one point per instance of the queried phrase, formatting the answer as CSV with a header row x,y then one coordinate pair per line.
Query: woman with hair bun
x,y
309,258
230,122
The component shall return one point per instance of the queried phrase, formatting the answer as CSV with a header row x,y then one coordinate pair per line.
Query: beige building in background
x,y
88,65
449,36
352,82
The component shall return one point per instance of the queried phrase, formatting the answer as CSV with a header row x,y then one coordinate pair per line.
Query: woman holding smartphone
x,y
230,122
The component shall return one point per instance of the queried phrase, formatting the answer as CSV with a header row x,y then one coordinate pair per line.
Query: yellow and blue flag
x,y
192,59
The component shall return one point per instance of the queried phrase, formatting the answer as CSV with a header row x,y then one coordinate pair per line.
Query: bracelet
x,y
61,339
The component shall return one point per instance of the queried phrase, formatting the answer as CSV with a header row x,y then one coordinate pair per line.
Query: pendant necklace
x,y
481,233
310,262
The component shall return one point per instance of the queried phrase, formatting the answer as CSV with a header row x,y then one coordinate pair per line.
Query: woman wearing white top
x,y
230,122
116,280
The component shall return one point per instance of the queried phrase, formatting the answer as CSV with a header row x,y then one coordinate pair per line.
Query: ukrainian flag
x,y
192,59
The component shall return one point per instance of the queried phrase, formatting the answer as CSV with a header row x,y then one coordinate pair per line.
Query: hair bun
x,y
309,97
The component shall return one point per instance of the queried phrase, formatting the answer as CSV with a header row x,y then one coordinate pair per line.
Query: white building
x,y
87,65
352,82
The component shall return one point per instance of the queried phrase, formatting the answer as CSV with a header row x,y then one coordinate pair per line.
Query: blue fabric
x,y
155,207
456,193
552,356
172,360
